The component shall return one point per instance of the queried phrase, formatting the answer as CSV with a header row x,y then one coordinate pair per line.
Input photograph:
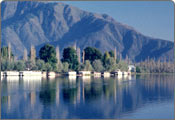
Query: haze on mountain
x,y
37,23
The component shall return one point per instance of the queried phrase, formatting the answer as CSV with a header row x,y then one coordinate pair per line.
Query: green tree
x,y
122,65
48,54
110,64
5,52
60,67
65,67
111,53
106,57
92,54
138,70
48,67
87,66
7,65
20,66
98,66
41,65
70,56
30,65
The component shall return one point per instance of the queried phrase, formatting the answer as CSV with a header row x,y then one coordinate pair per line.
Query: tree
x,y
59,67
106,56
58,54
122,65
83,56
5,53
87,66
75,46
138,70
48,54
65,67
111,53
48,67
9,51
79,55
110,64
20,65
92,54
115,54
32,54
25,58
7,65
30,65
40,65
70,56
98,66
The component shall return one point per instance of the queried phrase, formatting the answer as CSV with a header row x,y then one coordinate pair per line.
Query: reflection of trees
x,y
69,90
146,89
109,89
93,91
157,86
47,94
69,94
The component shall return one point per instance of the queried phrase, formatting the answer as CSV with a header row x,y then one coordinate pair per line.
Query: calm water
x,y
148,96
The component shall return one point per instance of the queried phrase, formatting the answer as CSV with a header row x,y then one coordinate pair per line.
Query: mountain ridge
x,y
36,23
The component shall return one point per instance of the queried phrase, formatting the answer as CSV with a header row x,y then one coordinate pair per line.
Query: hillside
x,y
36,23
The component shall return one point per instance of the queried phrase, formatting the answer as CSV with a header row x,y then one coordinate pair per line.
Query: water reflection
x,y
84,97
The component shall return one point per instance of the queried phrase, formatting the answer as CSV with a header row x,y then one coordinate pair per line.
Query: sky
x,y
151,18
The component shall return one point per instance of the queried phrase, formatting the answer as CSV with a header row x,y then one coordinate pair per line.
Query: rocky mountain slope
x,y
36,23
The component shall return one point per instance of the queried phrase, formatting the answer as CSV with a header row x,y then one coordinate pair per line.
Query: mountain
x,y
36,23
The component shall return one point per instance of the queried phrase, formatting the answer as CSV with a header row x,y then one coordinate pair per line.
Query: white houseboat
x,y
30,73
97,74
85,73
72,73
11,73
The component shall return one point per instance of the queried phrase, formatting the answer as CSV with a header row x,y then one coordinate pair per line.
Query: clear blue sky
x,y
152,18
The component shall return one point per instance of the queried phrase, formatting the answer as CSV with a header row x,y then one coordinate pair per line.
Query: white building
x,y
97,74
30,73
72,73
11,73
131,68
83,73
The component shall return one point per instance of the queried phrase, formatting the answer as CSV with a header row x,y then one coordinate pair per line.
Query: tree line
x,y
153,66
73,59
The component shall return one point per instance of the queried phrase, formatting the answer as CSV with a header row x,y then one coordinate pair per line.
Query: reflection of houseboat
x,y
85,73
51,74
72,77
12,78
44,74
106,74
2,75
31,78
86,79
125,74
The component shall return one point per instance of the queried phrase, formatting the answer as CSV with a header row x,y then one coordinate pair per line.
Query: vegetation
x,y
70,56
90,59
152,66
92,54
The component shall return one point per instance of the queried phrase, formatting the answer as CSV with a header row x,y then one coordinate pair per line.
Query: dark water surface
x,y
146,96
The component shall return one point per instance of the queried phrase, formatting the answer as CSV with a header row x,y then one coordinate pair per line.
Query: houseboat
x,y
85,73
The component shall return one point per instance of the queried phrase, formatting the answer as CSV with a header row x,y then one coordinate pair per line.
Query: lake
x,y
142,97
